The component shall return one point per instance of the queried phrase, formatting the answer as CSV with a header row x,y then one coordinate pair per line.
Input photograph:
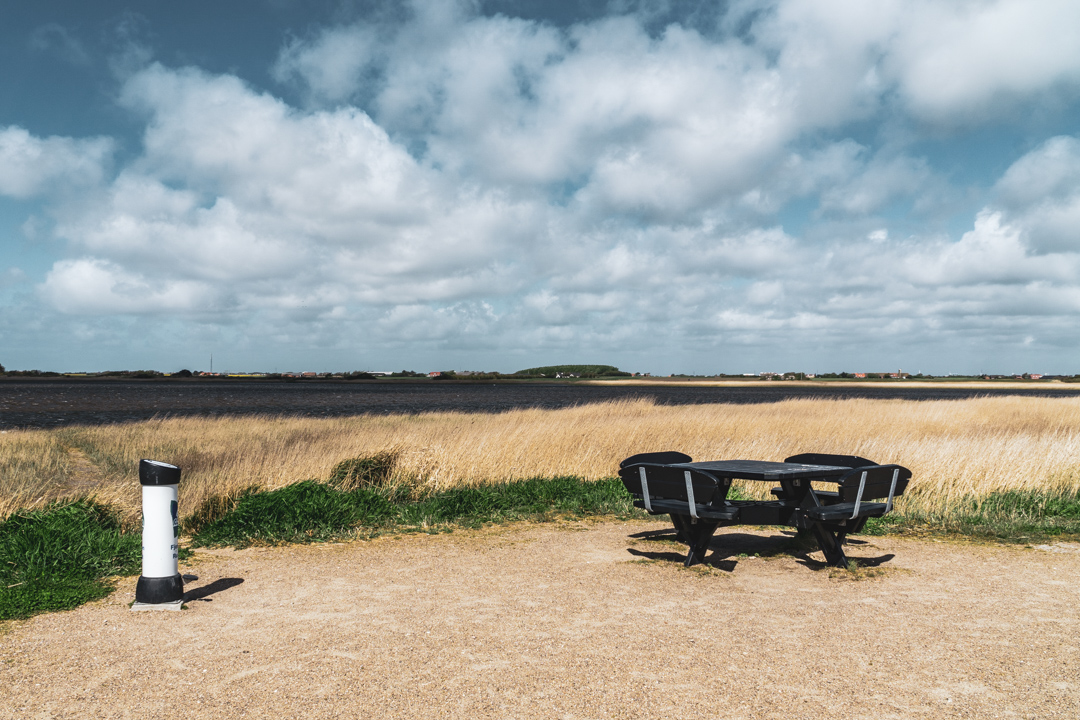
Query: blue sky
x,y
687,187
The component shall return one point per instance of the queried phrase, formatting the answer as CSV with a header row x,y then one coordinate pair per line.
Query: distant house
x,y
434,374
1035,376
860,375
307,374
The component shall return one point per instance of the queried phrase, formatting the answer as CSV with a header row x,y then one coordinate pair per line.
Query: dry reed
x,y
34,468
958,450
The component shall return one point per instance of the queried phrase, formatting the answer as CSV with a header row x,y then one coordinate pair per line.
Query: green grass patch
x,y
302,512
59,557
214,508
310,511
537,498
1014,516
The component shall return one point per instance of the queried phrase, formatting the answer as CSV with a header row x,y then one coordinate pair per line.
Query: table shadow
x,y
725,549
203,593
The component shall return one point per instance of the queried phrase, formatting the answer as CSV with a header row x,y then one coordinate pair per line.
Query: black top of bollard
x,y
154,472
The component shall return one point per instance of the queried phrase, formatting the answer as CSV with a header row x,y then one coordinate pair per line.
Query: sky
x,y
669,187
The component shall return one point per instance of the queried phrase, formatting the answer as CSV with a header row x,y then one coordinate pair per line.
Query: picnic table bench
x,y
695,494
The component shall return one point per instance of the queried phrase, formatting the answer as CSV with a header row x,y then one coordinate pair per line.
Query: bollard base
x,y
158,590
143,607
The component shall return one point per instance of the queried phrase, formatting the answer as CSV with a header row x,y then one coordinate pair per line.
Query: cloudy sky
x,y
696,187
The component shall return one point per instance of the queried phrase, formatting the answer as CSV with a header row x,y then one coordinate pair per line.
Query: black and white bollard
x,y
160,586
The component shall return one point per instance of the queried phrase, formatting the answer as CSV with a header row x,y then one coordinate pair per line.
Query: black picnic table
x,y
695,495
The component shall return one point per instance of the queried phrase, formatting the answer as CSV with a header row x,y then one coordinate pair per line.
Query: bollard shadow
x,y
203,593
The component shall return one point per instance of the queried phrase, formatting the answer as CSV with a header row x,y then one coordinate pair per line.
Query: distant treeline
x,y
544,372
550,371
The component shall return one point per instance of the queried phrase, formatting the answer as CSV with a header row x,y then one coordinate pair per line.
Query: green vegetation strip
x,y
1014,516
59,557
311,511
63,555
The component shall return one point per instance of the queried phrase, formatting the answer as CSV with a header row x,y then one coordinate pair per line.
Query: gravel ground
x,y
570,620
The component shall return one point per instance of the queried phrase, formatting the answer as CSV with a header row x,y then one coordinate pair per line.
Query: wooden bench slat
x,y
827,495
675,507
877,484
669,482
843,511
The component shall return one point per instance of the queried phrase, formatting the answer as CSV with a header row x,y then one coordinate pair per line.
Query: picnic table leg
x,y
830,545
681,523
698,536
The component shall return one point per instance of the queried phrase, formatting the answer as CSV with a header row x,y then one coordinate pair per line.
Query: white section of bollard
x,y
160,532
160,587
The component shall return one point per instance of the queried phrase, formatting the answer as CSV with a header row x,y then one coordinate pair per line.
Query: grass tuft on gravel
x,y
60,556
310,511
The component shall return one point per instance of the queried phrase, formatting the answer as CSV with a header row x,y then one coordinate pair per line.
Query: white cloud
x,y
1041,191
92,286
237,189
459,181
332,67
32,166
881,180
951,62
956,59
658,127
991,252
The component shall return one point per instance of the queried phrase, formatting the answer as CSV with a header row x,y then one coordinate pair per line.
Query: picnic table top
x,y
766,470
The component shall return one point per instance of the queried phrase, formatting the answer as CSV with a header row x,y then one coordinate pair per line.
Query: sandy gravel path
x,y
583,620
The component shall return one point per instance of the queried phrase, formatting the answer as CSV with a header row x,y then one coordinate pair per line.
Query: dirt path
x,y
569,621
83,476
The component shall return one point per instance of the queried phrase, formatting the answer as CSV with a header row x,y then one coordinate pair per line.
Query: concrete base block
x,y
144,607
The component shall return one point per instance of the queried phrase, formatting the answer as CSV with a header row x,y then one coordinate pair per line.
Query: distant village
x,y
557,372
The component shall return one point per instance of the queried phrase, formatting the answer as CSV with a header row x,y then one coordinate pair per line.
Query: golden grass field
x,y
956,449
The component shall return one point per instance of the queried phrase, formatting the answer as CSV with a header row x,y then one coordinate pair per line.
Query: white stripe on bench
x,y
892,489
858,498
645,489
690,494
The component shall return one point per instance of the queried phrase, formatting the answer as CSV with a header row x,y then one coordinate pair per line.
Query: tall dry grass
x,y
34,468
958,450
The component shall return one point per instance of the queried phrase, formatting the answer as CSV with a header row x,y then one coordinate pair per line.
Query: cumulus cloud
x,y
1041,191
992,252
89,285
956,59
238,189
455,180
32,166
948,62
